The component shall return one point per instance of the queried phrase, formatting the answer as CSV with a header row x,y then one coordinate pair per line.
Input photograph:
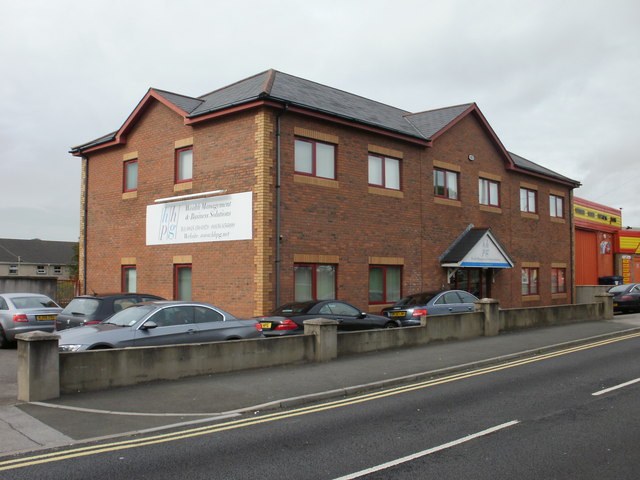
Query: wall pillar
x,y
326,333
606,299
491,309
38,366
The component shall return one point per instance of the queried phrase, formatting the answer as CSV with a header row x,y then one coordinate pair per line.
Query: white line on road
x,y
424,453
622,385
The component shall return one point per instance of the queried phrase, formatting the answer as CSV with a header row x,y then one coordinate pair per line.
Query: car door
x,y
174,325
448,302
213,327
468,301
347,316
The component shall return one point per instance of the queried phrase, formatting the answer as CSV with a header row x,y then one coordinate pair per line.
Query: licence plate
x,y
265,324
615,304
397,314
46,317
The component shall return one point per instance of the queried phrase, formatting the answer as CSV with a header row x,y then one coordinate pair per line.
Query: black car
x,y
409,309
626,298
288,319
92,309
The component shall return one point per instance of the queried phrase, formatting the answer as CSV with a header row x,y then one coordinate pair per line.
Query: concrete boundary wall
x,y
102,369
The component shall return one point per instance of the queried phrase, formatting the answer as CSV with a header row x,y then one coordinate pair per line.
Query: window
x,y
384,172
384,283
13,269
315,158
184,165
558,283
528,200
57,270
529,281
130,176
489,191
556,206
314,282
129,278
182,282
41,270
445,183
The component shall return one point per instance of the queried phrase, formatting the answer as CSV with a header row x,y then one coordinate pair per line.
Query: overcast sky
x,y
557,81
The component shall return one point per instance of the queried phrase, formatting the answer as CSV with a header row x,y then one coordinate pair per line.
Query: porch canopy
x,y
476,248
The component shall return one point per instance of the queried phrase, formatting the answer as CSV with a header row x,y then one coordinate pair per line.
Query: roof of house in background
x,y
299,93
37,251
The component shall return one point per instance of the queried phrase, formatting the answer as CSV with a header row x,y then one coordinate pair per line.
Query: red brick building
x,y
277,188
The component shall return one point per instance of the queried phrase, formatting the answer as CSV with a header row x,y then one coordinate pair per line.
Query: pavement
x,y
83,417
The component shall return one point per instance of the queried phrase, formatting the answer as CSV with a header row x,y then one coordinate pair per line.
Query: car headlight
x,y
69,348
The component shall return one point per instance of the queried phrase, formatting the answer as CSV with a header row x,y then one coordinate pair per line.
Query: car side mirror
x,y
362,315
148,325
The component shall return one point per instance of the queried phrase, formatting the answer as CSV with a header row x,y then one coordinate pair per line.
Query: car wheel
x,y
4,343
390,325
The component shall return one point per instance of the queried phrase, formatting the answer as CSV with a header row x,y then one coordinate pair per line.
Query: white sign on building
x,y
213,219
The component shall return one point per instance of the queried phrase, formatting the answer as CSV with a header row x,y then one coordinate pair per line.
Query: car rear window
x,y
293,309
82,306
413,300
33,302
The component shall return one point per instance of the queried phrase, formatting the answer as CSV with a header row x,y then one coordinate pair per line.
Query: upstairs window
x,y
529,281
13,269
489,192
384,172
184,165
445,183
57,270
528,200
130,176
556,206
41,270
315,158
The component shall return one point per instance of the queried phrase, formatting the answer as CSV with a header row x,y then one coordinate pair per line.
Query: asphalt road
x,y
548,424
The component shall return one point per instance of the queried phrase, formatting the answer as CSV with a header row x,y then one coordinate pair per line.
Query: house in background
x,y
277,188
39,266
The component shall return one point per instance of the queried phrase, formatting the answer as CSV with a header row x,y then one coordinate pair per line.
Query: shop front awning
x,y
476,248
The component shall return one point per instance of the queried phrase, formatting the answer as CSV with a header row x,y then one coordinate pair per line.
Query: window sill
x,y
447,201
557,296
558,220
532,216
317,181
376,308
487,208
129,195
530,298
180,187
387,192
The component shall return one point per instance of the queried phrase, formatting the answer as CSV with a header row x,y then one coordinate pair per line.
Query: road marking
x,y
610,389
424,453
246,422
131,414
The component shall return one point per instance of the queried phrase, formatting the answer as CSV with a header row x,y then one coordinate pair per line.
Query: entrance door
x,y
473,280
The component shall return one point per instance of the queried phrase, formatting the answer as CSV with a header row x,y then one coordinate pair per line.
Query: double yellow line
x,y
246,422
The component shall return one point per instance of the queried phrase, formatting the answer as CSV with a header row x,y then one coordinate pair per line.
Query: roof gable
x,y
476,248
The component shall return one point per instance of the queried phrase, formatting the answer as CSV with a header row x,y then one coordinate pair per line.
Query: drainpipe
x,y
85,208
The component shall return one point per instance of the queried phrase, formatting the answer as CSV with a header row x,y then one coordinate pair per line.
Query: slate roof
x,y
37,251
299,92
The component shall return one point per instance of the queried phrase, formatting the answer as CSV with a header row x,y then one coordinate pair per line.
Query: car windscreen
x,y
129,316
618,289
33,302
82,306
412,300
292,309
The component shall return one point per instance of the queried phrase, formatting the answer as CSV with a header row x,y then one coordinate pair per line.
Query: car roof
x,y
26,294
117,295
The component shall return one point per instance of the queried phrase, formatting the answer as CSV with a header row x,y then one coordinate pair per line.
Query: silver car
x,y
160,323
25,312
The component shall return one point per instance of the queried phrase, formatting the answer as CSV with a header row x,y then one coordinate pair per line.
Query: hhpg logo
x,y
169,223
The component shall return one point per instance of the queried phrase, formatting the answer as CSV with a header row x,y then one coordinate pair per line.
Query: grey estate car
x,y
25,312
160,323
